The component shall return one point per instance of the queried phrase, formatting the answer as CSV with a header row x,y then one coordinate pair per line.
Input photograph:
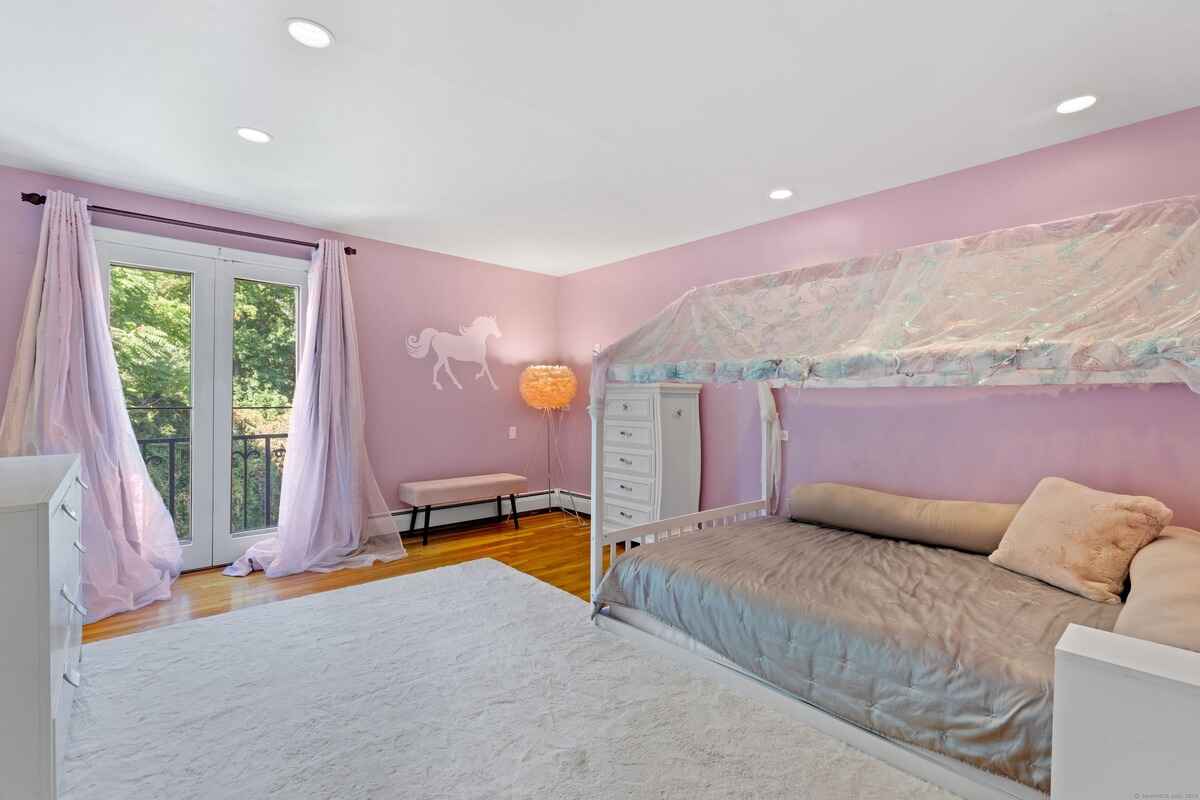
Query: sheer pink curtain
x,y
331,512
65,396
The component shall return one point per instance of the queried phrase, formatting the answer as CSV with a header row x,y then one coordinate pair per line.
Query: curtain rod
x,y
40,199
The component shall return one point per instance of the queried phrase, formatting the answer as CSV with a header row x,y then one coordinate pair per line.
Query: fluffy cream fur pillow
x,y
1080,539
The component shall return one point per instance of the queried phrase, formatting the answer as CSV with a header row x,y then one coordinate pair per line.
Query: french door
x,y
206,341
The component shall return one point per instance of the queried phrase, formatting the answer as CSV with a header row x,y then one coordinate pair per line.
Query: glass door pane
x,y
263,381
150,318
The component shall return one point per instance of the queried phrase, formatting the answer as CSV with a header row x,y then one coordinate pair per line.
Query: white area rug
x,y
471,681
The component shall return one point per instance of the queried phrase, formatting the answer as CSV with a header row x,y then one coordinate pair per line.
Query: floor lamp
x,y
548,388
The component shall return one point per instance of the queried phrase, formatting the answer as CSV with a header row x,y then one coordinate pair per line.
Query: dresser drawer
x,y
61,723
635,463
627,408
619,516
629,434
65,590
65,549
66,648
627,489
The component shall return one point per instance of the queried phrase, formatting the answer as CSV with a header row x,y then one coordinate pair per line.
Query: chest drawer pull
x,y
71,601
82,484
625,434
71,676
81,547
70,512
625,514
624,406
624,488
626,461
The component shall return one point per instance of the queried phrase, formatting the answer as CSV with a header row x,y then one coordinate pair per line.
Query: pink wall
x,y
413,430
991,444
981,443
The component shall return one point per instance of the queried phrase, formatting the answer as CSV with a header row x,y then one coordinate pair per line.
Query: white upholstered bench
x,y
451,491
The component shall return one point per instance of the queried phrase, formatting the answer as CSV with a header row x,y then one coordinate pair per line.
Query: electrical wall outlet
x,y
783,436
512,431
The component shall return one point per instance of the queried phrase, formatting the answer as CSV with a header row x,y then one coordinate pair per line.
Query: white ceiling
x,y
556,135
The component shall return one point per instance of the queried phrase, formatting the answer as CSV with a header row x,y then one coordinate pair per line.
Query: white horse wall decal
x,y
469,344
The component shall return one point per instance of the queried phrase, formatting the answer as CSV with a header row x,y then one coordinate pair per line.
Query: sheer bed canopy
x,y
1112,297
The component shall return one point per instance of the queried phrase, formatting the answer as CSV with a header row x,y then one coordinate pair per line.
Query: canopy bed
x,y
955,686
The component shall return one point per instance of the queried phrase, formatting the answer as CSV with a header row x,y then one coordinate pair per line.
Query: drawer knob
x,y
82,484
625,514
624,406
624,487
71,676
71,601
626,434
70,512
627,461
81,547
679,412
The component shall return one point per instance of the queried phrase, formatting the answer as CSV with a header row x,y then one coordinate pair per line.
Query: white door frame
x,y
213,271
226,546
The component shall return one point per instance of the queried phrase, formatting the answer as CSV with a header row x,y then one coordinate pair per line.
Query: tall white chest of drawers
x,y
41,620
651,452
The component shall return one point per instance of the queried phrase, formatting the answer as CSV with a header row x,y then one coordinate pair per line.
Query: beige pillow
x,y
1080,539
1164,602
963,525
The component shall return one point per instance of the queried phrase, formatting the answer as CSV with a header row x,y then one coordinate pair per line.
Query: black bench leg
x,y
425,531
412,519
499,509
512,499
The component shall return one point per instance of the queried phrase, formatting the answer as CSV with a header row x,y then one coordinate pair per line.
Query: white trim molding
x,y
168,244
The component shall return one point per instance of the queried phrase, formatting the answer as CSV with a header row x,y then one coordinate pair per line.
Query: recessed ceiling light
x,y
309,33
780,194
1076,104
254,135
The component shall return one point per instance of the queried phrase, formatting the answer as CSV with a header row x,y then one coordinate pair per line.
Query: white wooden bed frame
x,y
1126,711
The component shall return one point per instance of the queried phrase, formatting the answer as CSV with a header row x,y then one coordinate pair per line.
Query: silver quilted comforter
x,y
929,646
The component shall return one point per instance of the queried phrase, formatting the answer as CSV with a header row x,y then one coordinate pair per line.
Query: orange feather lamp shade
x,y
548,386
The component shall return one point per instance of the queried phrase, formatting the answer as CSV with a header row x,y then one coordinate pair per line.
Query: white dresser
x,y
651,452
41,619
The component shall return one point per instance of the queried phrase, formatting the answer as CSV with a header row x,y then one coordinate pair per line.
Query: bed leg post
x,y
596,409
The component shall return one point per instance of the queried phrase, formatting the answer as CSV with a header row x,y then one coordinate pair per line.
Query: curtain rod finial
x,y
350,251
33,197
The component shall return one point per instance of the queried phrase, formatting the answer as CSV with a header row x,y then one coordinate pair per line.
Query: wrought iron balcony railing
x,y
255,491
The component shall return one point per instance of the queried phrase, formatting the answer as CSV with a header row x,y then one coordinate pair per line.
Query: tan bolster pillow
x,y
961,524
1164,598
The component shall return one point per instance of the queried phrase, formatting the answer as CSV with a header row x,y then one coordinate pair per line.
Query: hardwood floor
x,y
550,546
